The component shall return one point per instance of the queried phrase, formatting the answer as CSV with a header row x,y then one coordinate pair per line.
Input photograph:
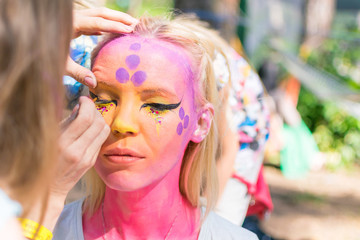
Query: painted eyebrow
x,y
157,92
105,83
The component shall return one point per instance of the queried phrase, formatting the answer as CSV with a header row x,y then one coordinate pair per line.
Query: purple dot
x,y
138,78
186,121
122,75
181,113
135,46
179,129
132,61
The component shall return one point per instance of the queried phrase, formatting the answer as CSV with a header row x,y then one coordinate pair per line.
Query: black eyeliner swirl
x,y
161,107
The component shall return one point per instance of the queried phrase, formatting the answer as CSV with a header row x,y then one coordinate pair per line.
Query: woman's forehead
x,y
138,45
144,62
133,53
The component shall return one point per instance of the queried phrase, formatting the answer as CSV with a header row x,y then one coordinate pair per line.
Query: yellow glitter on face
x,y
156,115
104,107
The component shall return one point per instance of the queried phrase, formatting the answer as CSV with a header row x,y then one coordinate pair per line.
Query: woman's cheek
x,y
107,111
181,125
163,126
108,117
157,117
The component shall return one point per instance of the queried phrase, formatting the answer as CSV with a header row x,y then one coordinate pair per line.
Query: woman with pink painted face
x,y
155,175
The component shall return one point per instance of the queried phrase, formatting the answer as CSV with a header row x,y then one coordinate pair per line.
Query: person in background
x,y
243,128
34,42
243,190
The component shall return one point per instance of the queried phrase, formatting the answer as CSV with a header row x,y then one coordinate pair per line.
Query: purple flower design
x,y
135,46
132,62
122,75
182,125
138,78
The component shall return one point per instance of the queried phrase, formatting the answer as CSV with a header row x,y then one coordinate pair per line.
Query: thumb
x,y
80,73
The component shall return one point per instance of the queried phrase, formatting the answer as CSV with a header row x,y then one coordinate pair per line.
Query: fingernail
x,y
90,82
129,28
75,110
74,113
65,122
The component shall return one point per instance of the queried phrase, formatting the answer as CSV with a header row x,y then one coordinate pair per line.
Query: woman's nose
x,y
122,127
125,122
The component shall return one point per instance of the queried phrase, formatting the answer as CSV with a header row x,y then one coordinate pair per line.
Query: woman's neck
x,y
156,212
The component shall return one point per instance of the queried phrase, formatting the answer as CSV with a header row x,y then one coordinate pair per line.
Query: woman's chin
x,y
125,182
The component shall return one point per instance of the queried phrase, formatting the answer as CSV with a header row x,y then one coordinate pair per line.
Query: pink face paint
x,y
148,186
153,82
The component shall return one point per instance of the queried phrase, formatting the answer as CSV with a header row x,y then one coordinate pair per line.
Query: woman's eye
x,y
155,108
102,105
102,102
159,107
93,96
97,100
156,111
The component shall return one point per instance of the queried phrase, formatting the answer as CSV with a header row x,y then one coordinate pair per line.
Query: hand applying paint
x,y
94,22
80,143
82,135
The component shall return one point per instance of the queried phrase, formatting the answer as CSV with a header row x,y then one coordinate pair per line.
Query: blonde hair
x,y
34,42
198,174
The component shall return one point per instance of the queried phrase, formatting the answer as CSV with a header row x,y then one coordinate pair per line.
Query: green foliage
x,y
340,53
120,5
340,58
334,130
147,7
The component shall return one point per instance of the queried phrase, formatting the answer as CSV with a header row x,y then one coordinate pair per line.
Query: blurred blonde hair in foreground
x,y
198,174
34,42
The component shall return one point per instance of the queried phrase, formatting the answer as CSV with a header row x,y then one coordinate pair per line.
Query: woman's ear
x,y
204,120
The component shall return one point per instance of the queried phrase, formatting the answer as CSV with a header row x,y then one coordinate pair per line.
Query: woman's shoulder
x,y
216,227
69,224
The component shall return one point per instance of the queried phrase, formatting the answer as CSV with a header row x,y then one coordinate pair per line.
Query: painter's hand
x,y
94,22
80,143
82,135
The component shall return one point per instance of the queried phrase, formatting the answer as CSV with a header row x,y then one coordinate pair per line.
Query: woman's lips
x,y
123,155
